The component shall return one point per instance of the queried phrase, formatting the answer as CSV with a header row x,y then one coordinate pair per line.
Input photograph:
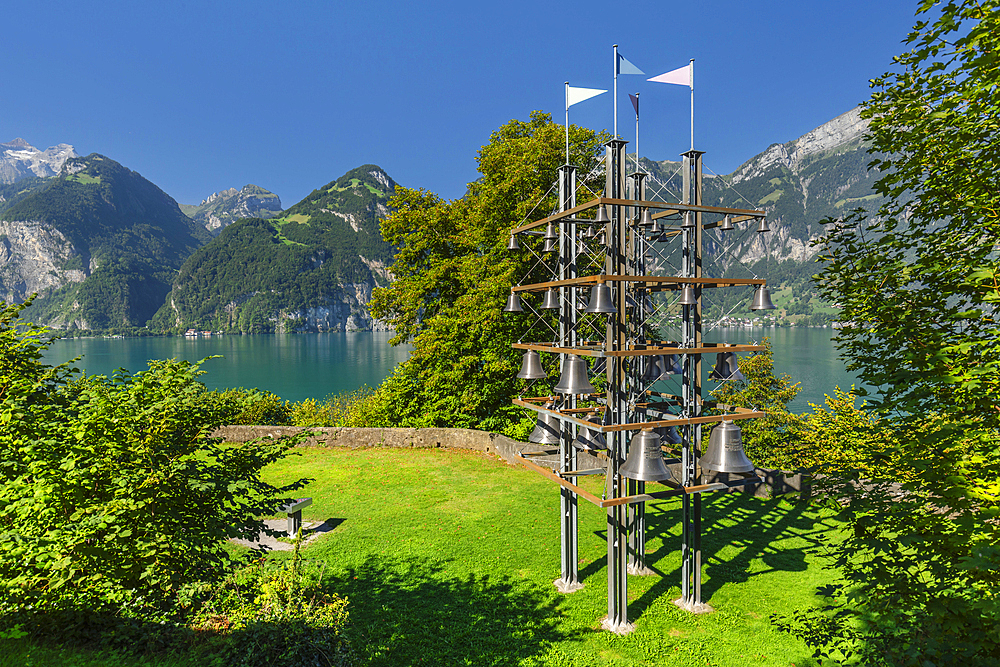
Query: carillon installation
x,y
609,296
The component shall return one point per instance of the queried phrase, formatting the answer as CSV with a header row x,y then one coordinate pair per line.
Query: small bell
x,y
646,218
602,214
672,364
546,428
688,219
588,439
600,300
531,367
550,232
762,226
645,459
762,299
654,372
669,435
727,224
725,450
513,304
726,367
513,243
688,296
574,377
551,299
551,245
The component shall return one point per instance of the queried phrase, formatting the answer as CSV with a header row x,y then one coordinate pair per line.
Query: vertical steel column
x,y
637,254
617,618
691,506
569,580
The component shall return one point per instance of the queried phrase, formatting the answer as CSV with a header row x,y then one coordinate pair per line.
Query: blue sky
x,y
199,96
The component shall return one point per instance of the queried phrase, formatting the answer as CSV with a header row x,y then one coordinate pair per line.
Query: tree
x,y
112,492
919,286
452,274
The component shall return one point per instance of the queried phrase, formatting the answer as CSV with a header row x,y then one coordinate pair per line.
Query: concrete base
x,y
694,608
619,629
564,587
639,571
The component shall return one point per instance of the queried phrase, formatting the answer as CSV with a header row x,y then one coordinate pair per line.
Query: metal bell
x,y
531,367
669,435
588,233
645,459
727,224
600,300
688,220
550,232
588,439
654,371
646,218
600,366
762,226
672,364
513,304
513,243
546,428
726,367
551,299
762,299
602,214
725,450
574,377
551,245
688,296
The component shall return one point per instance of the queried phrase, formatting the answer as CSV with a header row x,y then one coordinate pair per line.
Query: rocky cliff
x,y
226,207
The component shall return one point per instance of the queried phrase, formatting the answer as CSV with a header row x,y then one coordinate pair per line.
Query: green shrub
x,y
253,407
358,408
277,617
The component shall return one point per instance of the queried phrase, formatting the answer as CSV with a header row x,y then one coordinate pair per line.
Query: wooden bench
x,y
294,511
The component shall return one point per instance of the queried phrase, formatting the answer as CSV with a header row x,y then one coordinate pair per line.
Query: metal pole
x,y
569,580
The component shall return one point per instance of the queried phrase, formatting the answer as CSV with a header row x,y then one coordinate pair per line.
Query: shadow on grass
x,y
759,525
409,611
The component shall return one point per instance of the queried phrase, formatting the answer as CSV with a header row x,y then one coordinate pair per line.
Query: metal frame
x,y
624,349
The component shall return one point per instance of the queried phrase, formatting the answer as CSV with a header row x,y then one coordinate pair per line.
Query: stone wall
x,y
776,482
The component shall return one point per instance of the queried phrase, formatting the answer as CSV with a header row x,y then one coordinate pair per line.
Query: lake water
x,y
298,366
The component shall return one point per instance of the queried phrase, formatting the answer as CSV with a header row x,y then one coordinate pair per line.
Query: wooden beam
x,y
650,281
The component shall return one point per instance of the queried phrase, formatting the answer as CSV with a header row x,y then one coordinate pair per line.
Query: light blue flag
x,y
625,67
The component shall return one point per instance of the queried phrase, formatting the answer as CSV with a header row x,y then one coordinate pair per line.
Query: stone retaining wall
x,y
776,482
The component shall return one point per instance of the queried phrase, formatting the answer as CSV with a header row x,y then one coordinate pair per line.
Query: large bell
x,y
762,299
645,459
600,300
602,214
688,296
588,439
726,367
513,304
762,226
546,428
574,377
531,367
727,224
725,450
513,243
551,299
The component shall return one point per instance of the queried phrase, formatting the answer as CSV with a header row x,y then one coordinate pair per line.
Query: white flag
x,y
680,76
574,95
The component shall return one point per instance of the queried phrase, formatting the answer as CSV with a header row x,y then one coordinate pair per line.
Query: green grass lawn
x,y
448,557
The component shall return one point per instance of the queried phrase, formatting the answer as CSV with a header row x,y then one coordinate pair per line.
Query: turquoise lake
x,y
298,366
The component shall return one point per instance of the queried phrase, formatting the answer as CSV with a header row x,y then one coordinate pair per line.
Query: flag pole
x,y
692,104
567,122
614,99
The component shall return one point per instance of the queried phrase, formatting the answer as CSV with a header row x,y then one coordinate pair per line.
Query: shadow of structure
x,y
407,611
744,528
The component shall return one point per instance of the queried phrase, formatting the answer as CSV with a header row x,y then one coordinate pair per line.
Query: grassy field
x,y
447,558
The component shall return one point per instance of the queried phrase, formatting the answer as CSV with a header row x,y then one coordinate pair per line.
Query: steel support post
x,y
569,580
691,505
617,618
637,329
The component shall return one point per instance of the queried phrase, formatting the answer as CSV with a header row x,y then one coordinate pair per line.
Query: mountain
x,y
823,173
312,269
19,159
226,207
98,242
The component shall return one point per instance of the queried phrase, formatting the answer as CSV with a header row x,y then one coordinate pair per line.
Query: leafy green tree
x,y
112,492
919,286
453,274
